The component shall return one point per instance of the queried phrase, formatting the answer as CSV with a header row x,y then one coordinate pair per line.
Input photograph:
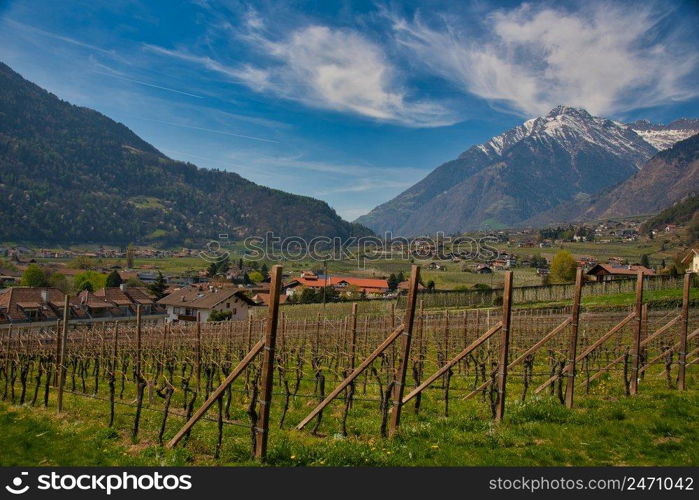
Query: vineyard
x,y
232,385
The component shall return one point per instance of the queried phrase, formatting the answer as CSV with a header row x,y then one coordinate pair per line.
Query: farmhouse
x,y
371,287
608,272
199,301
691,260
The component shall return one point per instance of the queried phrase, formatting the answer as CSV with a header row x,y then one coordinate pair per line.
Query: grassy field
x,y
658,427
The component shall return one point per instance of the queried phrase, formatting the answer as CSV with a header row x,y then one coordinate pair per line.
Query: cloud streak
x,y
607,59
327,68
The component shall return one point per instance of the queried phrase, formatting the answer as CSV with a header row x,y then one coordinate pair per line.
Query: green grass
x,y
654,298
40,437
657,427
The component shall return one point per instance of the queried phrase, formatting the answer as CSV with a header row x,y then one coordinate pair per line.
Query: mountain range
x,y
69,174
565,157
670,176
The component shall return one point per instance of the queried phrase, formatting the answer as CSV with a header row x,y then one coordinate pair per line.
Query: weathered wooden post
x,y
681,383
644,320
138,342
399,386
353,337
58,348
62,351
573,343
504,346
197,353
7,352
262,430
636,347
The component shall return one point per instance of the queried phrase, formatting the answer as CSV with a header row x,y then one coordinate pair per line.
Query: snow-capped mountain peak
x,y
572,129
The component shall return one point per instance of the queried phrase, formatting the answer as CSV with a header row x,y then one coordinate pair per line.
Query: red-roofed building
x,y
370,286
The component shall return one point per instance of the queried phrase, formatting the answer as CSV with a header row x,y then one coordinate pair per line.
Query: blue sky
x,y
350,101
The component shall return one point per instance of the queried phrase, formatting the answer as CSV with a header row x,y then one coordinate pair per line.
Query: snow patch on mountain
x,y
665,136
665,139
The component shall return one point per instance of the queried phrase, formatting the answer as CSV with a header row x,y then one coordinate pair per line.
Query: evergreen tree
x,y
158,287
223,266
645,261
113,280
130,256
392,282
212,270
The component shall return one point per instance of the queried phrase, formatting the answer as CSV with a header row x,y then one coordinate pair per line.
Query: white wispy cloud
x,y
327,68
61,38
606,58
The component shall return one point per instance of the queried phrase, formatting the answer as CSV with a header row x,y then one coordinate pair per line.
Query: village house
x,y
37,305
27,305
608,272
9,277
128,298
263,299
691,260
371,287
483,269
199,301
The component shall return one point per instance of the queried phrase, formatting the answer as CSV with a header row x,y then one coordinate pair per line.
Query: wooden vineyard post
x,y
58,350
399,386
262,430
644,319
8,349
62,352
504,346
573,344
681,383
138,343
197,353
353,337
636,347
